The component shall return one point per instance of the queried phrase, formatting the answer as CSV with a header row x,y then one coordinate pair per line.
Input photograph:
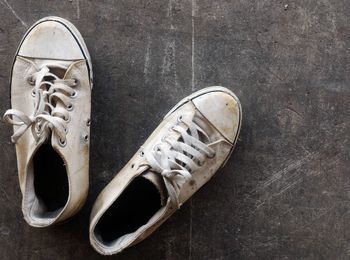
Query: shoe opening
x,y
50,182
133,209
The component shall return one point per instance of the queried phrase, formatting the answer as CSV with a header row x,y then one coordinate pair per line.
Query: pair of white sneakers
x,y
51,86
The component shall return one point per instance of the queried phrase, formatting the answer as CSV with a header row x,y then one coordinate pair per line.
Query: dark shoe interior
x,y
50,178
134,207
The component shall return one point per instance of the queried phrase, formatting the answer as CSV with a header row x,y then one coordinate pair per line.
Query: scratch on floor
x,y
168,64
275,74
283,214
13,12
279,174
288,186
192,42
147,58
314,219
282,190
294,111
287,181
170,7
169,59
78,9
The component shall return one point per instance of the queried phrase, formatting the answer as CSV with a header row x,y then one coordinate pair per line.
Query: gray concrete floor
x,y
285,192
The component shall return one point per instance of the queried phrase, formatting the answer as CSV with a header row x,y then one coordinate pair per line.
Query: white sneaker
x,y
50,95
194,140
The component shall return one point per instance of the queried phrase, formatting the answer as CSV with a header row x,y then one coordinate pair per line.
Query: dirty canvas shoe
x,y
194,140
50,95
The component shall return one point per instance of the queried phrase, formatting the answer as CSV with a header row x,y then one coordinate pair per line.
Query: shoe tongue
x,y
158,182
53,63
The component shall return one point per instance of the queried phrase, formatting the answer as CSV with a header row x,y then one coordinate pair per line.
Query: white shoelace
x,y
51,106
184,155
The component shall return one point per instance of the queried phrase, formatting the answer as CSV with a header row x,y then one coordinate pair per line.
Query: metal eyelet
x,y
156,148
211,156
179,119
74,94
66,130
30,80
142,153
70,107
88,122
86,138
62,143
33,92
76,81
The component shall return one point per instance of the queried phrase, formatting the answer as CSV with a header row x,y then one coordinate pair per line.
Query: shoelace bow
x,y
184,156
51,105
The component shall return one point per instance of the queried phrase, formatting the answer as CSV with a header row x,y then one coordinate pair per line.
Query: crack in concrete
x,y
192,52
78,9
4,2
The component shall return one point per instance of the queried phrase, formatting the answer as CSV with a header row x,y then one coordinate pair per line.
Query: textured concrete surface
x,y
284,194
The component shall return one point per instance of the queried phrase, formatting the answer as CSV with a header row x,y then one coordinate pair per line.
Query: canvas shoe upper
x,y
193,141
50,95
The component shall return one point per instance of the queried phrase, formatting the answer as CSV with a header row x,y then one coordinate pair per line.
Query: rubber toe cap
x,y
51,39
222,110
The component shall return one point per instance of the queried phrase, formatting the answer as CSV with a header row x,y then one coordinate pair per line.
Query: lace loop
x,y
176,160
49,115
